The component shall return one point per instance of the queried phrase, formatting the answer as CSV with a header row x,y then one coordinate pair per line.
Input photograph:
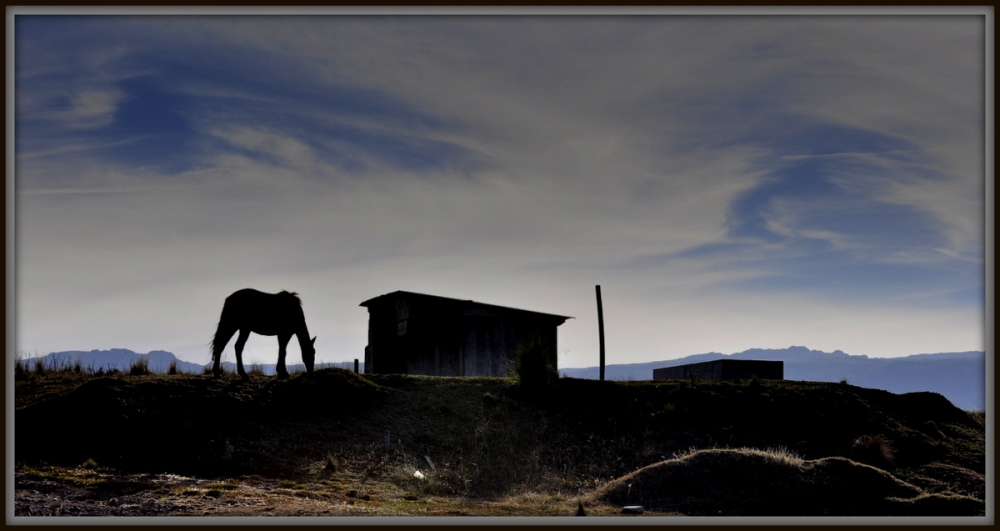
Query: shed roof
x,y
470,304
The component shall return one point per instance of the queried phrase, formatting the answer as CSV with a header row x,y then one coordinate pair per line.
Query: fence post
x,y
356,366
600,327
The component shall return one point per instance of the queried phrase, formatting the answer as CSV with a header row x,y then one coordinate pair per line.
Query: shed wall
x,y
415,335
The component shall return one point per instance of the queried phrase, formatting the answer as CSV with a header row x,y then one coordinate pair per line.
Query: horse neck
x,y
302,332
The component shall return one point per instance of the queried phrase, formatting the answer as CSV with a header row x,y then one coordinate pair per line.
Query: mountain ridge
x,y
959,376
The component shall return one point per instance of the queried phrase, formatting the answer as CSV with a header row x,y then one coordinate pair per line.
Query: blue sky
x,y
731,182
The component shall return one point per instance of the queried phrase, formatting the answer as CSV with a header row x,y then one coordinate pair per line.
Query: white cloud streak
x,y
598,142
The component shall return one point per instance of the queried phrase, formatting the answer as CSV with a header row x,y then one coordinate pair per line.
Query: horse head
x,y
309,355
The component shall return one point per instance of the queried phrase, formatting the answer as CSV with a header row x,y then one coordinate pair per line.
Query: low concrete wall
x,y
723,370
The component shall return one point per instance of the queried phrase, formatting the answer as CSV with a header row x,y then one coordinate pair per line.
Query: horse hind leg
x,y
222,336
240,342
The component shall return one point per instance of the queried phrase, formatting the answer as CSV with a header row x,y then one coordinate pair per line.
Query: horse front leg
x,y
282,346
240,341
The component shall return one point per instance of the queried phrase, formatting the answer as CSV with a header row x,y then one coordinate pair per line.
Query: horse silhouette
x,y
267,314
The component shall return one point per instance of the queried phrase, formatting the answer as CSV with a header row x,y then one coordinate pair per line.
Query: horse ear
x,y
313,340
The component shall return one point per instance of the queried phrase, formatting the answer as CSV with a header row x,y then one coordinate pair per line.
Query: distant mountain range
x,y
959,376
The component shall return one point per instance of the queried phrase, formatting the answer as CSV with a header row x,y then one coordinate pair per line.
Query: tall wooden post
x,y
356,366
600,327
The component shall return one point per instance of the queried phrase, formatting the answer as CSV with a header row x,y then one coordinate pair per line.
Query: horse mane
x,y
292,294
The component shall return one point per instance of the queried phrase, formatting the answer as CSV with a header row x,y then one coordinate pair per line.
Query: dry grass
x,y
139,367
752,482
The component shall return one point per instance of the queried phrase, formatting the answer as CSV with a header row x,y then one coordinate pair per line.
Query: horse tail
x,y
223,332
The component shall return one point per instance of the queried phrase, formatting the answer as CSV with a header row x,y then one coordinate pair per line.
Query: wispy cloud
x,y
706,170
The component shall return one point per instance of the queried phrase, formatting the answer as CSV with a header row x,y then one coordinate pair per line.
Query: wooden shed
x,y
412,333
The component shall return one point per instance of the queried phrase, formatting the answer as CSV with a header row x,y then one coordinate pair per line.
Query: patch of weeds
x,y
172,369
490,401
256,369
430,488
875,450
331,463
89,464
533,368
39,368
139,367
21,370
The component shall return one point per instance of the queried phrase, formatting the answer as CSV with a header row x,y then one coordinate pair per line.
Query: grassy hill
x,y
695,448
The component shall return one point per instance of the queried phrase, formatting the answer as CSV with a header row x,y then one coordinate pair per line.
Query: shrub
x,y
172,369
532,368
139,367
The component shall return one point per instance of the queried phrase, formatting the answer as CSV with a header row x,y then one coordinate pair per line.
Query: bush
x,y
532,368
172,369
139,367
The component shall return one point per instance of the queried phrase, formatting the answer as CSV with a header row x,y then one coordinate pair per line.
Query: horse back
x,y
263,313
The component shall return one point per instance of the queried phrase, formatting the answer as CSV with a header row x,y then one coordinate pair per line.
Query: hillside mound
x,y
186,424
483,438
748,482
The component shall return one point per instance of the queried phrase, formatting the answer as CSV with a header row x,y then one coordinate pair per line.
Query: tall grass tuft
x,y
172,368
39,368
139,367
20,367
256,369
778,454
